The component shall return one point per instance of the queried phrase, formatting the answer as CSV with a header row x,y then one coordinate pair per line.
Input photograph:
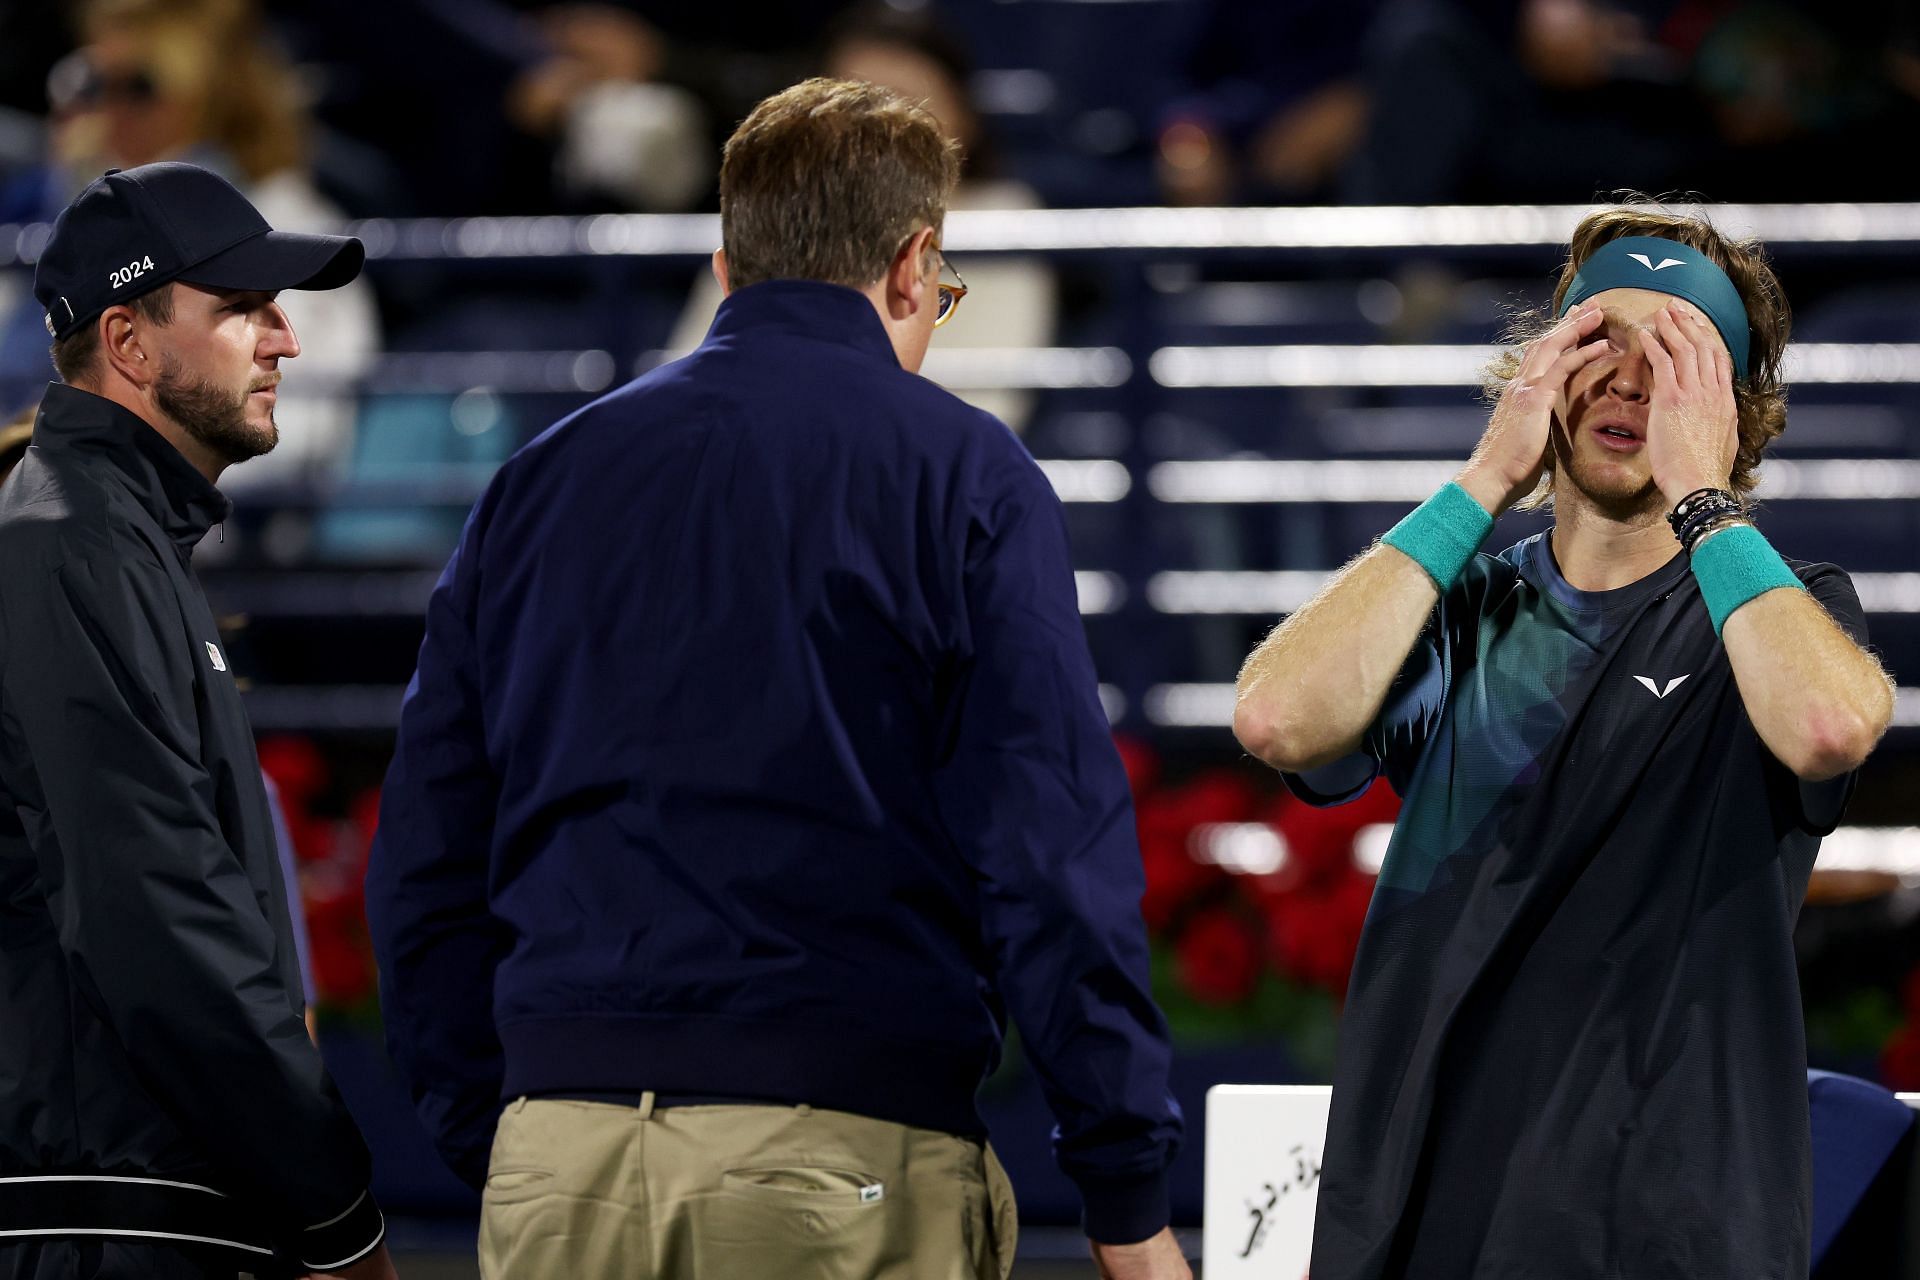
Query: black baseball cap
x,y
133,230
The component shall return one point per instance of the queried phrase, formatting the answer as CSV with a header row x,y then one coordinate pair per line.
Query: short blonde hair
x,y
826,180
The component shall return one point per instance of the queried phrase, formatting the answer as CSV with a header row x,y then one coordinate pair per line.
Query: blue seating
x,y
1857,1129
418,462
1871,313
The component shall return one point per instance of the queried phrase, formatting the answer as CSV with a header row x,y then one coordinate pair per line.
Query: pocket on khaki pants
x,y
798,1221
805,1185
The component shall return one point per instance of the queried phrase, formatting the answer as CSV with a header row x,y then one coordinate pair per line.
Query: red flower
x,y
300,775
1140,762
1314,931
342,974
365,818
1320,841
341,954
312,837
1900,1060
1167,819
296,767
1218,956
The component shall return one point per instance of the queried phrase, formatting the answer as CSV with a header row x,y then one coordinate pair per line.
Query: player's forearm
x,y
1311,688
1818,700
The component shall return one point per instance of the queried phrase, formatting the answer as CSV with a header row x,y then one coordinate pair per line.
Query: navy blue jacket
x,y
755,751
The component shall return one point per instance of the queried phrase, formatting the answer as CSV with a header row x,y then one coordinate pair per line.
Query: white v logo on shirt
x,y
1656,690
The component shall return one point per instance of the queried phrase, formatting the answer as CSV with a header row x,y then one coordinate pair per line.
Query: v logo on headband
x,y
1648,262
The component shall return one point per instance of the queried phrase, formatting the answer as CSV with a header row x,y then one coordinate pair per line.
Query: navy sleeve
x,y
1394,741
1032,790
437,941
1822,803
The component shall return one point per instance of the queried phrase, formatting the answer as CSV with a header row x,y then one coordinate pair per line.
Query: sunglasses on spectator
x,y
76,84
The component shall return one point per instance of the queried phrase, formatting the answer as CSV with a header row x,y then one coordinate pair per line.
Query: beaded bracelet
x,y
1699,511
1719,526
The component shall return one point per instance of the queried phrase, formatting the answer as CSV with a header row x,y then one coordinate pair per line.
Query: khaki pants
x,y
593,1191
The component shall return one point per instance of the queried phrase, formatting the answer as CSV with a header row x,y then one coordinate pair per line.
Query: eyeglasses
x,y
76,83
950,294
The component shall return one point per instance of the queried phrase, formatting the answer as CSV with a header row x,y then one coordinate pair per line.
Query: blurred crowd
x,y
329,110
451,107
1480,101
323,111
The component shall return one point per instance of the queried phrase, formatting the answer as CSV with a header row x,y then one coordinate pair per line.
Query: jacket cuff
x,y
341,1241
1124,1210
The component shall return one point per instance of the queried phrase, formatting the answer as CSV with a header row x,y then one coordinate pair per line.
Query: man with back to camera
x,y
755,771
165,1114
1573,1046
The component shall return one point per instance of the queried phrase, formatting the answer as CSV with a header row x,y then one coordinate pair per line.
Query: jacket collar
x,y
809,308
181,500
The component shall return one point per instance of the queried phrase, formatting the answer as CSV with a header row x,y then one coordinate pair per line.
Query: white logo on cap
x,y
1648,263
120,277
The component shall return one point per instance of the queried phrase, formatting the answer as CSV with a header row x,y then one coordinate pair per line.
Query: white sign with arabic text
x,y
1262,1179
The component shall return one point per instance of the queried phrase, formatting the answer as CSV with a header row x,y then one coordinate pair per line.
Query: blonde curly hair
x,y
1760,399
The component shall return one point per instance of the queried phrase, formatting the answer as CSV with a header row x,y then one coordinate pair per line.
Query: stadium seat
x,y
1858,1184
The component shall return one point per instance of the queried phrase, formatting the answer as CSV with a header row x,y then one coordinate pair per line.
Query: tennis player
x,y
1573,1045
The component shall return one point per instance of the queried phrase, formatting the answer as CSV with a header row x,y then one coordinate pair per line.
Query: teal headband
x,y
1667,266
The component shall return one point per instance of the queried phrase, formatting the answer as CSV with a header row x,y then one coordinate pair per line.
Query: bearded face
x,y
226,419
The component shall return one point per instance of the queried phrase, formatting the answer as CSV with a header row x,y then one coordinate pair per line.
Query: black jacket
x,y
155,1074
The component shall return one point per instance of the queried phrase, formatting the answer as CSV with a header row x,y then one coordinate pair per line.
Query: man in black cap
x,y
164,1113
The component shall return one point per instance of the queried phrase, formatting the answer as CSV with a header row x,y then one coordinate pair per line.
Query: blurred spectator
x,y
1276,103
1489,100
198,80
578,105
618,132
33,35
425,82
1011,302
1803,96
1555,100
14,439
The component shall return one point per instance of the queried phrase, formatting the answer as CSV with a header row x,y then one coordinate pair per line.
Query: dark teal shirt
x,y
1573,1043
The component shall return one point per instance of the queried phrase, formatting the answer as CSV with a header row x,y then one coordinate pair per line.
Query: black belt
x,y
661,1101
153,1210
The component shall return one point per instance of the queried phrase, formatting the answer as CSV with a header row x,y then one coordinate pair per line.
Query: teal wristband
x,y
1442,533
1735,565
